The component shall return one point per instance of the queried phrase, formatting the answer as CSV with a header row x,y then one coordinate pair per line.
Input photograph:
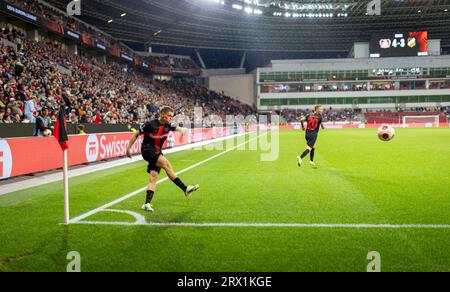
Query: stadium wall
x,y
222,72
434,47
240,86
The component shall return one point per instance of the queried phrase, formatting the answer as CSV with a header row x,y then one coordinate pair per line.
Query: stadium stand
x,y
52,14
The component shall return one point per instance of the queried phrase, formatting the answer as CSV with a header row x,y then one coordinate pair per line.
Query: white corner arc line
x,y
115,202
140,219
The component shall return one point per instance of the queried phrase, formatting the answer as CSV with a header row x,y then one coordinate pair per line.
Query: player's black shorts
x,y
311,139
151,157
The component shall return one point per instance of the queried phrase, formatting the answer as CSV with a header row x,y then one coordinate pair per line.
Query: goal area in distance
x,y
420,121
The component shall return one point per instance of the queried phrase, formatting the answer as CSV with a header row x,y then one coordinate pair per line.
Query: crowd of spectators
x,y
443,110
329,115
42,74
55,16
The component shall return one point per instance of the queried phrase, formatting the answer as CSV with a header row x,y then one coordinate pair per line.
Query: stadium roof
x,y
267,25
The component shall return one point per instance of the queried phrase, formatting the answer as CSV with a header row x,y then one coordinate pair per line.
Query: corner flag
x,y
61,131
61,136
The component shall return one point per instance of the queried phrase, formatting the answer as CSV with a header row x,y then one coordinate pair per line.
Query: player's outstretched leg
x,y
150,191
165,164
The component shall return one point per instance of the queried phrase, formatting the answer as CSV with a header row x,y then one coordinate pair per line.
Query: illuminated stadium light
x,y
288,9
294,5
237,7
248,10
307,15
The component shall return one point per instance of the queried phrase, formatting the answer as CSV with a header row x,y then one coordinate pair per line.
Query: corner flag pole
x,y
66,188
62,137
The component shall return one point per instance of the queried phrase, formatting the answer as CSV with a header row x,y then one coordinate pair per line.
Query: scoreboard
x,y
399,44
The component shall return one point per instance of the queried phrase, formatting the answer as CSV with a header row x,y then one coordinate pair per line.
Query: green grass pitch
x,y
359,180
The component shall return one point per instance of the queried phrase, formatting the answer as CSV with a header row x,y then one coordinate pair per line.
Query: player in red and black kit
x,y
155,134
314,122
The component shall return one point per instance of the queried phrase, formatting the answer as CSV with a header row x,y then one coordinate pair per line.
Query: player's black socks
x,y
149,198
305,153
312,154
180,184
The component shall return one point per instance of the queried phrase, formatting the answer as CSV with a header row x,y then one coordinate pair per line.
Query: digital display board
x,y
22,13
73,34
128,58
399,44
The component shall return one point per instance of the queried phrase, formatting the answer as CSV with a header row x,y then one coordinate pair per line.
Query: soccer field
x,y
250,215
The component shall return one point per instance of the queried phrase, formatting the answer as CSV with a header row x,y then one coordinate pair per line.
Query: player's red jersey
x,y
155,134
314,121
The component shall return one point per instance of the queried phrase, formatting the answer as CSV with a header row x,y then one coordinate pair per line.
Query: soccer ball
x,y
47,133
386,133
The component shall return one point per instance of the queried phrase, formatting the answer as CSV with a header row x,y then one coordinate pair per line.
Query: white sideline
x,y
292,225
92,212
6,188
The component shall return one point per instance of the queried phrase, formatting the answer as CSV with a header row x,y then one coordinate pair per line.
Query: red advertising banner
x,y
114,52
87,40
17,159
53,26
138,61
